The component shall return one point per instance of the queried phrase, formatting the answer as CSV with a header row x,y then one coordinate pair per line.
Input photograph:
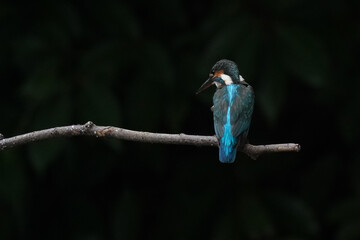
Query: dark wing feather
x,y
242,109
220,110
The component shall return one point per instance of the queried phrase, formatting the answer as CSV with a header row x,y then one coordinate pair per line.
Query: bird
x,y
233,107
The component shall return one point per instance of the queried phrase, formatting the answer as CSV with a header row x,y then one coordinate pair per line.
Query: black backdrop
x,y
137,65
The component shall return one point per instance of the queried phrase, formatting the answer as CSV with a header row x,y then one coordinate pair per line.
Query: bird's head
x,y
224,72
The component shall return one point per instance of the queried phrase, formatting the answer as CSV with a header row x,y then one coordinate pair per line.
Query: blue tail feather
x,y
228,144
227,154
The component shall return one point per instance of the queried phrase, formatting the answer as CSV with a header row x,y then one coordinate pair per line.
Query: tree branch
x,y
90,129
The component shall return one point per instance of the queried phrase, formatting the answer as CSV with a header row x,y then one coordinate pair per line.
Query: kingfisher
x,y
233,107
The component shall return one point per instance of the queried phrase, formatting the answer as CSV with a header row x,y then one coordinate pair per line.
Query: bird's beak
x,y
205,85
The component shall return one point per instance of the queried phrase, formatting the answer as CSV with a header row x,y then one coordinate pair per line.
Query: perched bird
x,y
233,107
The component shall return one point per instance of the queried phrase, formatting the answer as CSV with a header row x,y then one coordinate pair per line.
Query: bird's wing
x,y
220,111
241,110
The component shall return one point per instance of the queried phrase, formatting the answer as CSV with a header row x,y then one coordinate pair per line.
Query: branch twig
x,y
90,129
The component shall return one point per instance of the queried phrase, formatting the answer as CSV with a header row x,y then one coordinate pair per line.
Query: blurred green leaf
x,y
236,39
349,231
160,72
224,228
292,216
13,183
86,217
115,18
43,82
127,217
141,116
97,102
44,153
28,51
55,113
304,54
346,211
255,220
271,94
103,63
318,180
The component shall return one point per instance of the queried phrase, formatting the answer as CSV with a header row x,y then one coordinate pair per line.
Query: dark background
x,y
137,65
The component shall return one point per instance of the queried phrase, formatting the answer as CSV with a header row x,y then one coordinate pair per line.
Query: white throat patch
x,y
226,78
241,78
